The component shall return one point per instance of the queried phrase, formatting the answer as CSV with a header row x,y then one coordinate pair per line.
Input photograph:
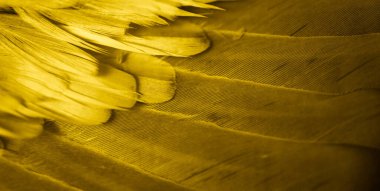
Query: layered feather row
x,y
74,60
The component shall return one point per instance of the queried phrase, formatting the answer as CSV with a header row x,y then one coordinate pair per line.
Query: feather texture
x,y
286,99
51,65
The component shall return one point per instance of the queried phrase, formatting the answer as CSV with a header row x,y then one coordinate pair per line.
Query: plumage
x,y
286,99
51,66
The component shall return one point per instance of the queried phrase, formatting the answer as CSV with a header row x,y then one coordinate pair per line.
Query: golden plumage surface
x,y
263,95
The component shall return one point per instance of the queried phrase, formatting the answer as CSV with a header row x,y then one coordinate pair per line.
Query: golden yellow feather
x,y
52,68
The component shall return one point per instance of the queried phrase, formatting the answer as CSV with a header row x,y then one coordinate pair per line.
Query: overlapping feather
x,y
51,66
250,114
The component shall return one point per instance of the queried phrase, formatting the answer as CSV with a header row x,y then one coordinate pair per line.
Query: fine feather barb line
x,y
45,57
43,24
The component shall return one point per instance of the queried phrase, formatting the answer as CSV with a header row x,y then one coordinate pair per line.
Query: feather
x,y
296,17
43,24
124,12
155,78
55,4
51,63
112,87
14,127
42,50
